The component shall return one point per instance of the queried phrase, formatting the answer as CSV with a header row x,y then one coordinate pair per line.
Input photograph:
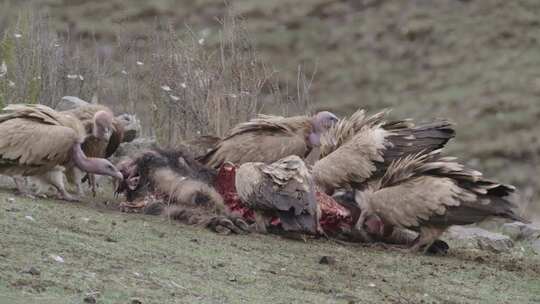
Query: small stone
x,y
327,260
513,230
232,278
57,258
90,299
530,232
473,237
110,239
536,246
10,200
70,102
33,271
136,301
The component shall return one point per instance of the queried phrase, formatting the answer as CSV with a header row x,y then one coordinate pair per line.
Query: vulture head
x,y
321,122
103,125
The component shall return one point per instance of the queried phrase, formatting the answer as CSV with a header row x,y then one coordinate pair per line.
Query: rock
x,y
513,230
536,246
416,29
473,237
70,102
493,223
33,271
132,126
110,239
136,301
90,299
521,231
327,260
530,232
132,148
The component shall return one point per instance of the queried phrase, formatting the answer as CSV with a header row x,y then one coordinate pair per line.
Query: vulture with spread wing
x,y
360,148
428,193
267,139
104,134
37,139
284,189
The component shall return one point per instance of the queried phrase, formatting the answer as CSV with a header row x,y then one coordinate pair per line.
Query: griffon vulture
x,y
183,187
37,139
284,189
267,139
428,193
105,133
360,148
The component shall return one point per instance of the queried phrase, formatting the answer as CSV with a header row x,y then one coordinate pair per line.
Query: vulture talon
x,y
240,223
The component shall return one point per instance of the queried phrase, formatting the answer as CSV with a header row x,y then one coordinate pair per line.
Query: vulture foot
x,y
68,197
228,225
437,248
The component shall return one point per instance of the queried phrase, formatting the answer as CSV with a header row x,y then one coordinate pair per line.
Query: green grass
x,y
120,257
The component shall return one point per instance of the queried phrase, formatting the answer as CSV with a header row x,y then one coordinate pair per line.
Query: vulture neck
x,y
81,161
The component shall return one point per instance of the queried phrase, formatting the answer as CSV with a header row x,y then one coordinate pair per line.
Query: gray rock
x,y
133,148
70,102
513,230
521,231
473,237
493,223
327,260
536,246
530,232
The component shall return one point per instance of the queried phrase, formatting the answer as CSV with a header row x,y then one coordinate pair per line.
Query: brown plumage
x,y
185,186
99,142
35,139
428,193
284,189
201,145
360,148
269,138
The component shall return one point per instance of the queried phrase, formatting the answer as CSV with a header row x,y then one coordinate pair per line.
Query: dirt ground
x,y
113,257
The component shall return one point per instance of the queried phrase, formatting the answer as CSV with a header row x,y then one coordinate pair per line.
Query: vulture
x,y
201,145
284,189
359,149
428,193
268,139
182,185
36,140
105,133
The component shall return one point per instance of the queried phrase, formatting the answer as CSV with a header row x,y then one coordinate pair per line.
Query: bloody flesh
x,y
334,217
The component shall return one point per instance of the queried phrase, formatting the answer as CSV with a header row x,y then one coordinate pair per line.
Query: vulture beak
x,y
119,176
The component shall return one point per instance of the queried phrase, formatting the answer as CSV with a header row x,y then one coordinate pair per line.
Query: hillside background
x,y
476,63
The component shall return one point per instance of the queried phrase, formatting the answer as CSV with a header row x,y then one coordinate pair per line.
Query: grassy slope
x,y
158,262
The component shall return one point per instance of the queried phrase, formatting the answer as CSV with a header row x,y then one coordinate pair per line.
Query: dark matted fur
x,y
179,161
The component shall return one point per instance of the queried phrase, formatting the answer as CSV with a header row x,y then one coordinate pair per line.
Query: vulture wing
x,y
117,137
426,189
362,148
33,140
265,139
284,187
